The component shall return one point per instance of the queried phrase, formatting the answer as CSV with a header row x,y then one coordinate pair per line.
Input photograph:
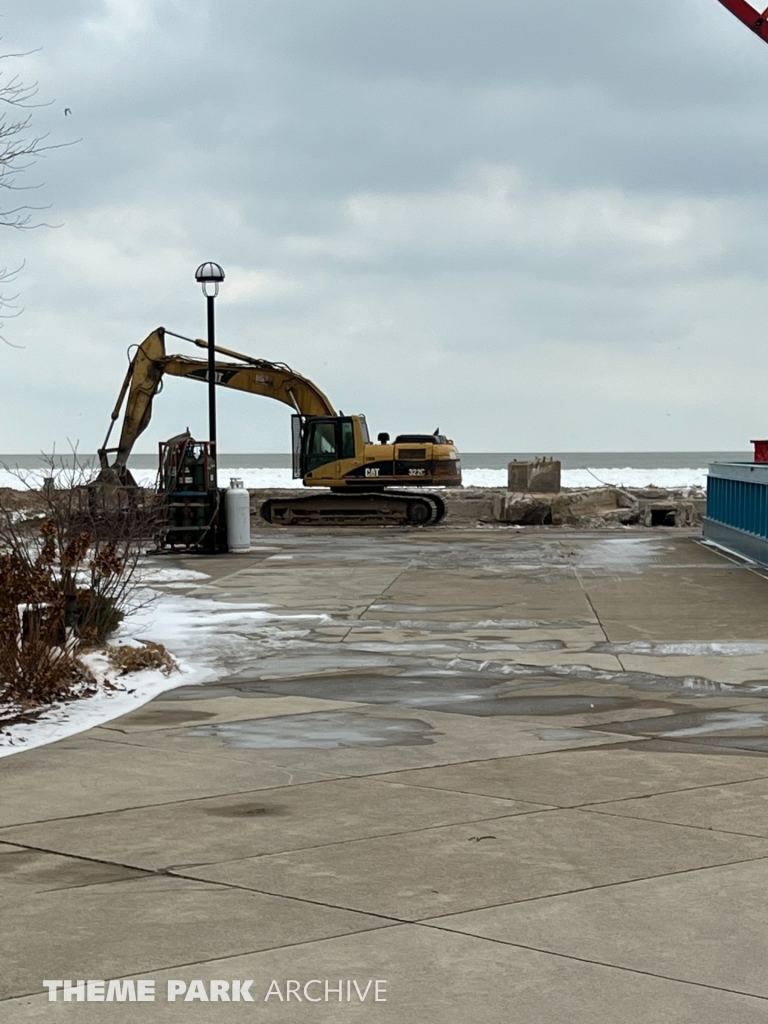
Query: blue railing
x,y
738,503
737,508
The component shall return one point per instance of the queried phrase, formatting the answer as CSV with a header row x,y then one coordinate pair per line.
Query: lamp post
x,y
210,276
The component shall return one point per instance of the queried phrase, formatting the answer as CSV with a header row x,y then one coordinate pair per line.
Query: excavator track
x,y
382,508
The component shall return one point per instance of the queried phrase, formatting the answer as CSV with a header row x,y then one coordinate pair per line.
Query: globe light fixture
x,y
209,275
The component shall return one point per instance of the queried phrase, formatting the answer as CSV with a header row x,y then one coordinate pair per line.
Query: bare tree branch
x,y
20,148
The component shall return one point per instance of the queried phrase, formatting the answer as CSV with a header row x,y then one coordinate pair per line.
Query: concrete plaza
x,y
519,775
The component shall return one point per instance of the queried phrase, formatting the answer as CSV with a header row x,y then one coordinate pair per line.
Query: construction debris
x,y
584,507
602,506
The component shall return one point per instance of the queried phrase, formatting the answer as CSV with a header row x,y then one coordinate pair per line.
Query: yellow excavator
x,y
330,450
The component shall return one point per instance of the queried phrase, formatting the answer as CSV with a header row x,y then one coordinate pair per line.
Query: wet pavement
x,y
521,774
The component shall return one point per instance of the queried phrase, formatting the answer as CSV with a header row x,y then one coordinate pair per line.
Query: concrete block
x,y
560,509
593,503
540,476
471,504
522,509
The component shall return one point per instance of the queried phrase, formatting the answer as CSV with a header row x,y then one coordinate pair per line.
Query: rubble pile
x,y
602,506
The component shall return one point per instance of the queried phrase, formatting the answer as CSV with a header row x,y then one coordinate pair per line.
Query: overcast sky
x,y
538,227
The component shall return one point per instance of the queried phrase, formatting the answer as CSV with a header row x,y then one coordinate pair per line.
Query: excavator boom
x,y
150,363
259,378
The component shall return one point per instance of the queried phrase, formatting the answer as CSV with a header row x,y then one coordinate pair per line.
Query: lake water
x,y
479,469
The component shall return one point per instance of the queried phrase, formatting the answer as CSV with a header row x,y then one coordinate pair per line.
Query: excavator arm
x,y
144,378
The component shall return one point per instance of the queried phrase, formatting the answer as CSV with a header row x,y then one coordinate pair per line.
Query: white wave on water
x,y
255,479
631,477
628,477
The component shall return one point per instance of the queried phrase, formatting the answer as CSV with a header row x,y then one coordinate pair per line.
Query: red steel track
x,y
756,20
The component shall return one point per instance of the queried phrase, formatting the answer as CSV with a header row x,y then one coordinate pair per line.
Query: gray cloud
x,y
537,228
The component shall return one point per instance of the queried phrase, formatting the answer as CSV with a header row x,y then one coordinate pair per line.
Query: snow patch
x,y
129,692
206,637
165,575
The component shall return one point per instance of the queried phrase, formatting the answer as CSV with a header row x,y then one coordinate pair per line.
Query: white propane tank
x,y
237,503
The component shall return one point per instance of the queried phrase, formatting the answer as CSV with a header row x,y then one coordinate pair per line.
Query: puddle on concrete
x,y
406,645
693,724
508,645
437,692
462,625
440,550
297,655
618,554
320,730
561,735
445,693
437,551
550,674
532,624
720,721
563,704
211,691
277,650
472,642
497,705
695,649
346,675
394,647
435,609
693,686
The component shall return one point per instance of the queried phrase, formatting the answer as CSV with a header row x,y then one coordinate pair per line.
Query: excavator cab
x,y
320,440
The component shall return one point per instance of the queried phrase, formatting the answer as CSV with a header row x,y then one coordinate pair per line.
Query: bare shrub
x,y
67,577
